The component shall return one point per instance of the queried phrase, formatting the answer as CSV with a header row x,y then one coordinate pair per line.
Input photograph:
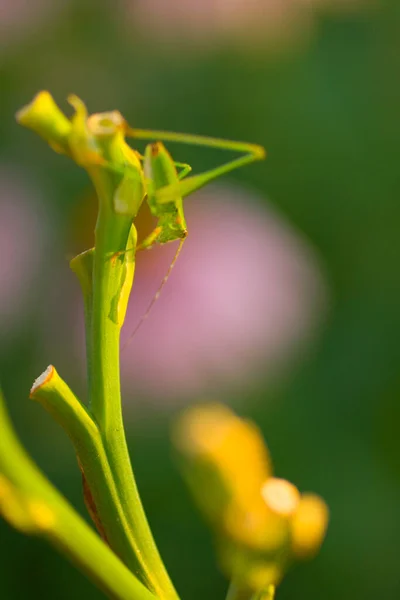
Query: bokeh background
x,y
285,302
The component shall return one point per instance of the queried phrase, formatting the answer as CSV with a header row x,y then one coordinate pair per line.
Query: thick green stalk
x,y
109,299
30,503
82,266
103,501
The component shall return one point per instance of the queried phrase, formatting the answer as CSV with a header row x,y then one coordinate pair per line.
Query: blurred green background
x,y
324,98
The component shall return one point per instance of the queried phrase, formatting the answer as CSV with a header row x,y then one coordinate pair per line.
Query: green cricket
x,y
166,187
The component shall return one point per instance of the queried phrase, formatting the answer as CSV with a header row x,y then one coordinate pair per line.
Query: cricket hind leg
x,y
252,153
196,182
196,140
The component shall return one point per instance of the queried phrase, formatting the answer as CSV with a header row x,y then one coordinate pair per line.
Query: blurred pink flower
x,y
245,292
215,19
256,21
22,235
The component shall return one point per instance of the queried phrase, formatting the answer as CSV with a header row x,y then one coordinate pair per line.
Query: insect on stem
x,y
166,188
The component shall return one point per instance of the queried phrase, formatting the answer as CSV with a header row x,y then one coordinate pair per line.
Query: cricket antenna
x,y
156,295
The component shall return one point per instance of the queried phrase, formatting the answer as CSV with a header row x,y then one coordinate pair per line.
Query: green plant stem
x,y
104,503
82,266
47,514
111,237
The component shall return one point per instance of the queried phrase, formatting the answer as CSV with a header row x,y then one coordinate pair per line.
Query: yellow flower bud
x,y
224,455
309,525
44,117
260,522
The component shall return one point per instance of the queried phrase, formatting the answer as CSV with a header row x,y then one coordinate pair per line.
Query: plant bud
x,y
45,118
309,525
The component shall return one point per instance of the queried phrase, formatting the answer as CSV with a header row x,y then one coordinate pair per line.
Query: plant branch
x,y
112,280
30,503
101,494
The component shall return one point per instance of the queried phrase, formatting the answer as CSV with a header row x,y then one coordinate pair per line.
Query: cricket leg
x,y
186,169
197,140
150,240
252,152
194,183
147,244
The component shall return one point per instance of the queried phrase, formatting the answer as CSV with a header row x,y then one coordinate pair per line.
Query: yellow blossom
x,y
260,522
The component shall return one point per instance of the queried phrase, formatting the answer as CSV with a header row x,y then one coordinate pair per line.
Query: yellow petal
x,y
309,525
